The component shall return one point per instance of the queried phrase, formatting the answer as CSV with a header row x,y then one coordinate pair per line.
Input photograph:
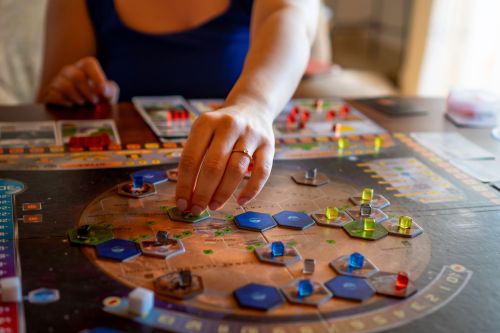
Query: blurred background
x,y
364,48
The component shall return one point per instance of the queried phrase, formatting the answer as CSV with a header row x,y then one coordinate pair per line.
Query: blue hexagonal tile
x,y
118,249
356,289
255,221
293,220
258,296
151,176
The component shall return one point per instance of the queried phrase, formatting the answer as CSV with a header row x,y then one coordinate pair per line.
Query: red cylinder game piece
x,y
344,110
294,111
330,115
302,125
304,116
290,119
402,281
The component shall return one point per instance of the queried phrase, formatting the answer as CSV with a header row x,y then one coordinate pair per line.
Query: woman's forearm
x,y
277,58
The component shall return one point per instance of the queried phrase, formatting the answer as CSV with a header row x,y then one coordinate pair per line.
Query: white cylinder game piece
x,y
11,289
140,301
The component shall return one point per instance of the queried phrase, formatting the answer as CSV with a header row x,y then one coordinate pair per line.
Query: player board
x,y
70,288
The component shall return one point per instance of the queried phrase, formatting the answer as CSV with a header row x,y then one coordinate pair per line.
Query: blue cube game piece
x,y
137,182
277,249
305,288
356,260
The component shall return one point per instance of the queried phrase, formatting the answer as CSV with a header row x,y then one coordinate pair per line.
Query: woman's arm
x,y
71,74
212,164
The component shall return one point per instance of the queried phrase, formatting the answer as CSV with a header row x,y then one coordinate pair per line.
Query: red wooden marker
x,y
402,281
344,110
330,115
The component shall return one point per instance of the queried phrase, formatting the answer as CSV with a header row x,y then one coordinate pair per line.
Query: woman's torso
x,y
167,48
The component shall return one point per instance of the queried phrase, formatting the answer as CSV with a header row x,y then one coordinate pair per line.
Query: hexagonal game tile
x,y
255,221
385,284
291,255
151,176
376,214
300,178
90,234
355,229
127,190
341,266
176,215
258,296
378,201
170,285
319,295
392,226
118,249
341,220
351,288
293,220
166,249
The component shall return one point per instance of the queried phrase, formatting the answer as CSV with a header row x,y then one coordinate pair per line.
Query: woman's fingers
x,y
236,168
68,89
214,164
263,163
189,164
92,69
80,80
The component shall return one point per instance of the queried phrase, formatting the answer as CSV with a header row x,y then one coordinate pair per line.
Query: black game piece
x,y
186,279
83,232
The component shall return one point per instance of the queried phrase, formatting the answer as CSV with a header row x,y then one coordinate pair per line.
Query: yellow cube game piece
x,y
378,142
343,143
332,213
367,195
368,224
405,222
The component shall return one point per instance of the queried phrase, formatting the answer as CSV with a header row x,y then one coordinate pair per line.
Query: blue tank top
x,y
203,62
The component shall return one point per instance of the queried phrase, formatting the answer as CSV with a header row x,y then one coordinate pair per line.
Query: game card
x,y
86,128
28,134
451,145
206,105
483,170
168,116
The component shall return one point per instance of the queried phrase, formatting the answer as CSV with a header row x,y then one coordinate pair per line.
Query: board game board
x,y
451,261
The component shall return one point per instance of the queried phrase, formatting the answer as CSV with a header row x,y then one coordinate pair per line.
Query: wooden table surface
x,y
133,129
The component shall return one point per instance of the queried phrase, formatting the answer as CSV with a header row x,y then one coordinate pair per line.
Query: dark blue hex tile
x,y
118,249
293,220
258,296
255,221
348,287
151,176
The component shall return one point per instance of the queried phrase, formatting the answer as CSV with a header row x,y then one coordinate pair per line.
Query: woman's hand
x,y
214,161
81,83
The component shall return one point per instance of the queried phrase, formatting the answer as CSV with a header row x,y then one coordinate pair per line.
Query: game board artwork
x,y
216,247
